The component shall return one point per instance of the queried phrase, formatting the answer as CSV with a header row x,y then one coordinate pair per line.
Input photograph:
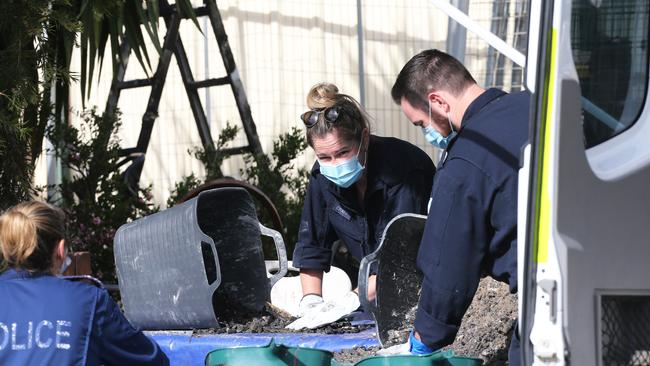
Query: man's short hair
x,y
430,70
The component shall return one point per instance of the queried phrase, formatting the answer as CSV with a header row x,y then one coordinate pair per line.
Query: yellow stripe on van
x,y
543,218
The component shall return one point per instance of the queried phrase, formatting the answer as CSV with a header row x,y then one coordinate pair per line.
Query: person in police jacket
x,y
48,320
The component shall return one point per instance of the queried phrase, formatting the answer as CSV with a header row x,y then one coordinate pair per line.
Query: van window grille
x,y
625,330
609,39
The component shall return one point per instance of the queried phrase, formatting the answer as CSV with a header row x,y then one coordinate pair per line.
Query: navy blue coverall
x,y
472,224
399,178
48,320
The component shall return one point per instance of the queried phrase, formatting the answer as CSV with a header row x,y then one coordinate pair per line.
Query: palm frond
x,y
115,21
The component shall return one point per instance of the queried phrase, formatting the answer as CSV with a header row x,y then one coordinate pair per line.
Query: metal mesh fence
x,y
625,330
508,19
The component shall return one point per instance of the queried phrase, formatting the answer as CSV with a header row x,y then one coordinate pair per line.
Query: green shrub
x,y
95,195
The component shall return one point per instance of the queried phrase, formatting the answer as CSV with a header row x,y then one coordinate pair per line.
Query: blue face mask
x,y
434,137
346,173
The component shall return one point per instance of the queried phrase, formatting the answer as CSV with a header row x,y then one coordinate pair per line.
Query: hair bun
x,y
322,95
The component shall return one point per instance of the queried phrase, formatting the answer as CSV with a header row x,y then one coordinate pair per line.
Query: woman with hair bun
x,y
48,320
357,185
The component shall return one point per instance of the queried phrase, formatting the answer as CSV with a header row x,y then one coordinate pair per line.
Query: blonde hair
x,y
349,127
29,232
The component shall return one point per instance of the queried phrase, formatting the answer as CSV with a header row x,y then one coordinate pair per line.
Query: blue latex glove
x,y
416,347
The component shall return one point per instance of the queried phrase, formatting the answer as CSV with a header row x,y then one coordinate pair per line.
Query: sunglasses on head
x,y
331,115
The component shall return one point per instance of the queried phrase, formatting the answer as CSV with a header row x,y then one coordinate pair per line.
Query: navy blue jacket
x,y
399,177
472,224
47,320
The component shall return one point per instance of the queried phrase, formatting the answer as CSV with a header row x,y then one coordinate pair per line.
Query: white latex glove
x,y
398,349
287,293
328,312
309,302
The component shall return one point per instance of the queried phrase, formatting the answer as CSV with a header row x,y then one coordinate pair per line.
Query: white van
x,y
584,208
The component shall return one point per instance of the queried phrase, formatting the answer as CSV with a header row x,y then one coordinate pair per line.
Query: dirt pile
x,y
487,326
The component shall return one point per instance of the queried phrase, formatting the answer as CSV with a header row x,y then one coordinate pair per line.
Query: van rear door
x,y
585,187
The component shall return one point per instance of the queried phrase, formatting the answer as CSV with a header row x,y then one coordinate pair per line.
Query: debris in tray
x,y
271,320
354,355
279,313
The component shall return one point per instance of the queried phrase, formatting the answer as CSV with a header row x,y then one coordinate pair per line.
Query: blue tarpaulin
x,y
183,348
